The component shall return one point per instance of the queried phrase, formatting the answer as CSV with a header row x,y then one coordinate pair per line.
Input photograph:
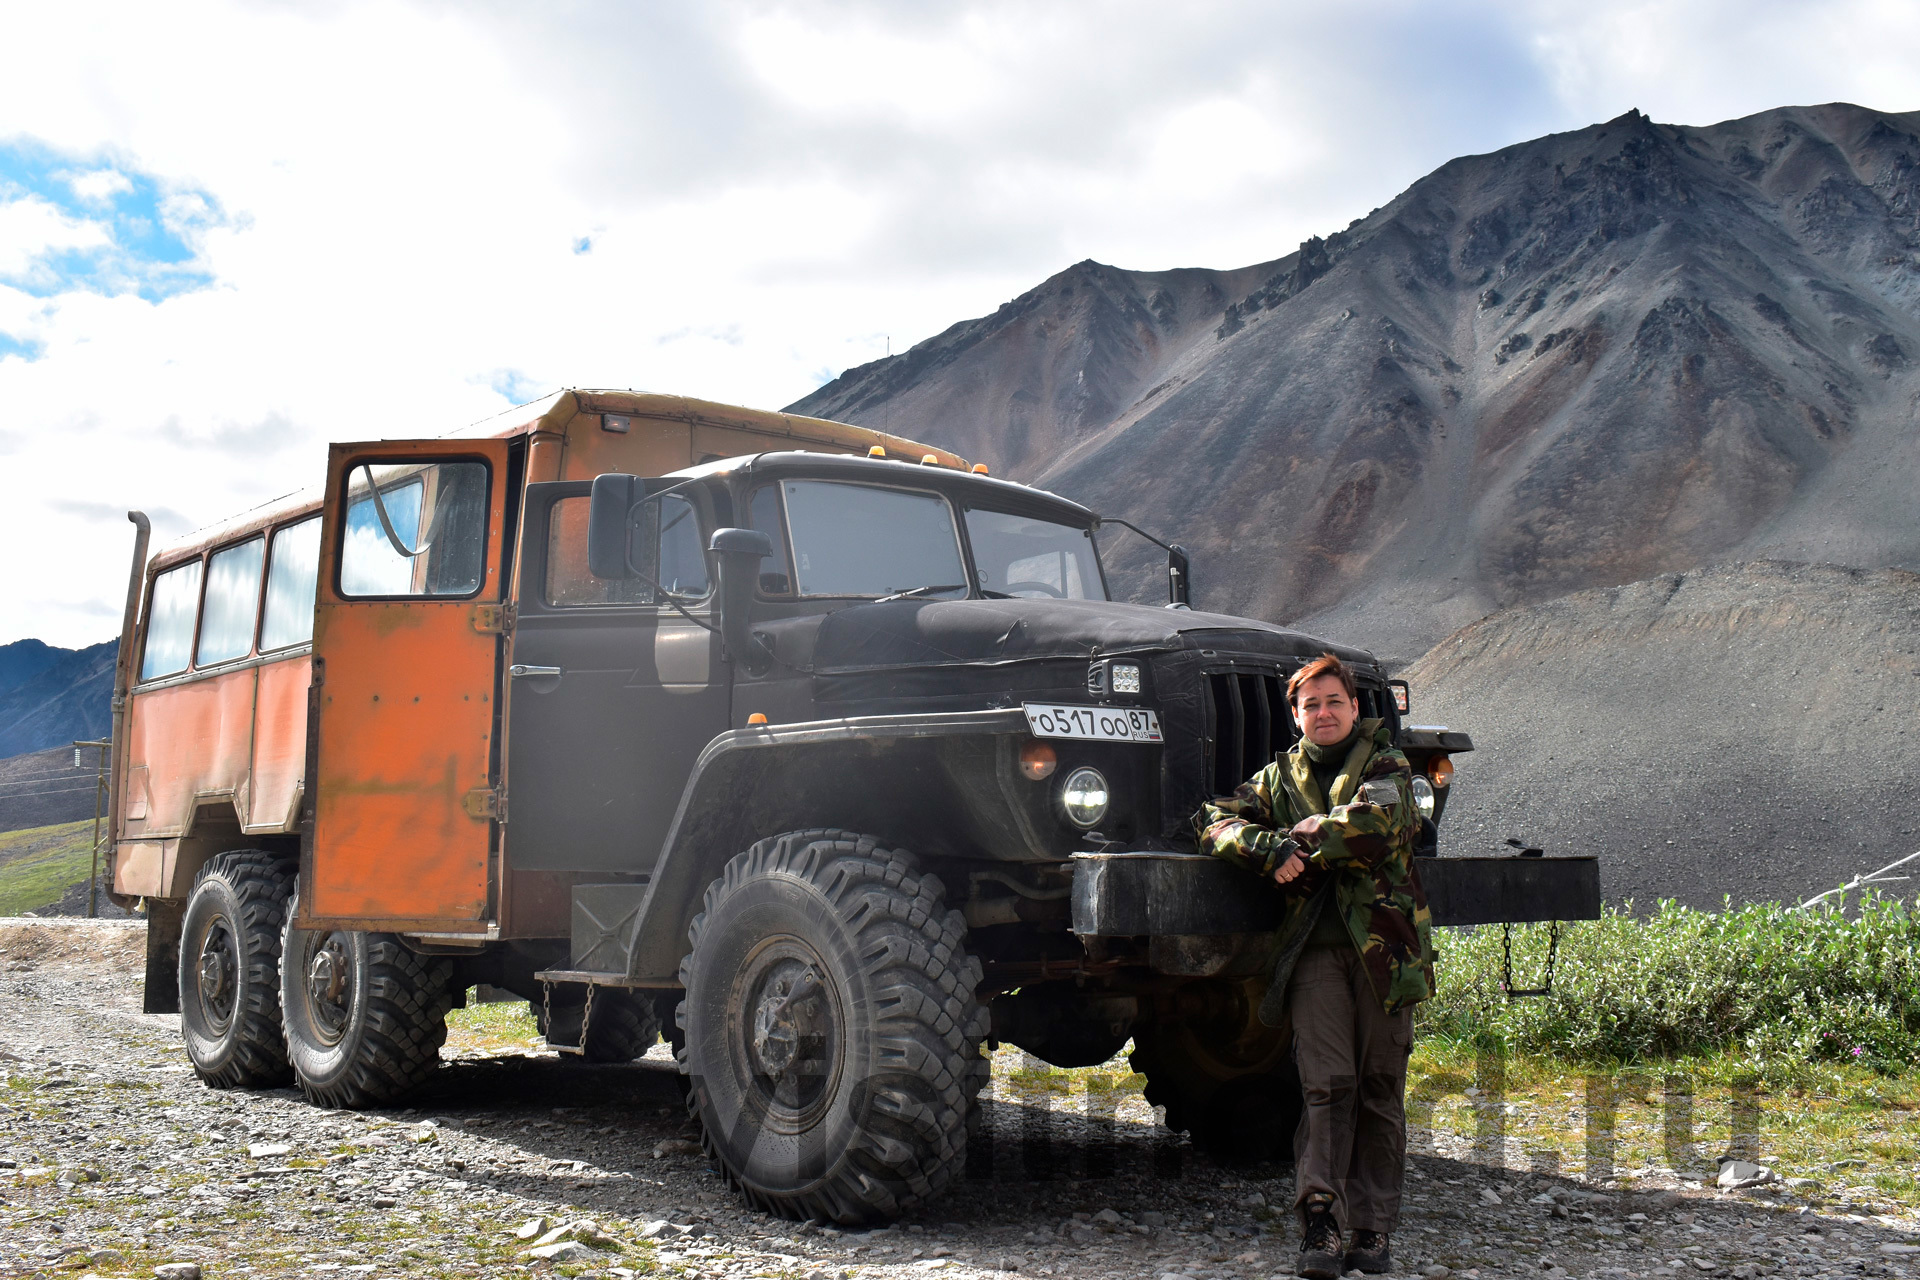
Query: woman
x,y
1333,823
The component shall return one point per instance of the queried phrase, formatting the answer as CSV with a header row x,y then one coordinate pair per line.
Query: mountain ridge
x,y
1579,361
50,697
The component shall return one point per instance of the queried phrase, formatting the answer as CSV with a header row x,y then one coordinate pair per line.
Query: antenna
x,y
886,406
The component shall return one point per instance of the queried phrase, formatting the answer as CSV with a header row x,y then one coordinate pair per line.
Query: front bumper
x,y
1133,895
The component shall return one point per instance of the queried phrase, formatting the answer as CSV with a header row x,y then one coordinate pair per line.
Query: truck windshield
x,y
1025,556
859,540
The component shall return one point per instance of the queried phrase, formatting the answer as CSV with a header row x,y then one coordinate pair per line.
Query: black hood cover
x,y
922,633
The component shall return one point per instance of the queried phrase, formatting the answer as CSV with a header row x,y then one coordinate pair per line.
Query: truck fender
x,y
760,781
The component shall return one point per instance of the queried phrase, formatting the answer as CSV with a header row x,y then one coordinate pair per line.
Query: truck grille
x,y
1250,725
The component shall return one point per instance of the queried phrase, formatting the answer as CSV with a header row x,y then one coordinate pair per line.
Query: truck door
x,y
613,692
406,643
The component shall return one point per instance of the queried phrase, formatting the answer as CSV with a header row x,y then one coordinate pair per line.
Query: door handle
x,y
518,670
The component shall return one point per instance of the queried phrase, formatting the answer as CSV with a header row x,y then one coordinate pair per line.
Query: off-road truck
x,y
820,751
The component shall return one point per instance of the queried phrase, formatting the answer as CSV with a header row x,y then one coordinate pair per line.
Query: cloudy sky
x,y
231,232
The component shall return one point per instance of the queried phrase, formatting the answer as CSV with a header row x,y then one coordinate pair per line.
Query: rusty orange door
x,y
406,651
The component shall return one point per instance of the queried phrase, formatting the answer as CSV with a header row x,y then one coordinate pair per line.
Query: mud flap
x,y
163,956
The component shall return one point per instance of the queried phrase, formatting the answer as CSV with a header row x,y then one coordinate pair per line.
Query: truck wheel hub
x,y
328,984
218,972
782,1022
791,1032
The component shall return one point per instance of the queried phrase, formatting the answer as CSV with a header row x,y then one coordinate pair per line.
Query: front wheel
x,y
365,1016
832,1034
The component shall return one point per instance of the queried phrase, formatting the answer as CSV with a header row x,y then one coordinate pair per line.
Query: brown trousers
x,y
1352,1139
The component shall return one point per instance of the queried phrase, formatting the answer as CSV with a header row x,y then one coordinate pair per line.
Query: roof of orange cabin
x,y
561,406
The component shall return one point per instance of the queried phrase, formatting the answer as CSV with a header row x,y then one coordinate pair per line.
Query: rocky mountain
x,y
1582,361
50,697
1736,730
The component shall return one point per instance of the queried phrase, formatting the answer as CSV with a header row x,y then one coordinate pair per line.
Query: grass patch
x,y
506,1026
38,864
1669,1040
1779,991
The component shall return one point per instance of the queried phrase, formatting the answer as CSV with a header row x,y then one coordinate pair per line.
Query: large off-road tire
x,y
623,1027
365,1016
1232,1087
230,970
832,1033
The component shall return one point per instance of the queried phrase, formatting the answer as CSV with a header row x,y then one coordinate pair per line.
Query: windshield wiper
x,y
920,591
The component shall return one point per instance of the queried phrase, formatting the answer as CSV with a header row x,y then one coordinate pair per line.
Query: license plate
x,y
1101,724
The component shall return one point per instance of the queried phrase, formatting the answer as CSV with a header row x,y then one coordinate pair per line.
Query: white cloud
x,y
770,191
99,185
31,228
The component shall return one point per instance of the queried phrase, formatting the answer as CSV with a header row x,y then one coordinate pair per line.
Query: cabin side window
x,y
293,571
665,548
568,580
776,575
231,604
176,599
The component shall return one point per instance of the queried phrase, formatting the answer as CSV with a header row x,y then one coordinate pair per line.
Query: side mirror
x,y
613,498
740,552
1179,579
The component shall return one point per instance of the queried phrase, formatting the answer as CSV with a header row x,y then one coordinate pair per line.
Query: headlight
x,y
1423,795
1085,797
1126,678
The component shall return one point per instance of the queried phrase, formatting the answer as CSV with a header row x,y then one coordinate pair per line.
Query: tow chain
x,y
1506,962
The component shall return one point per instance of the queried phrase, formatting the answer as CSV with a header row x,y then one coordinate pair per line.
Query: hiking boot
x,y
1320,1246
1369,1253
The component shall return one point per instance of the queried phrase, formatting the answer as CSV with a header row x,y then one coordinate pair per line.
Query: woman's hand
x,y
1290,869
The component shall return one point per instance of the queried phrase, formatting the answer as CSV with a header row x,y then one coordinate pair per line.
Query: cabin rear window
x,y
232,602
293,571
415,529
176,599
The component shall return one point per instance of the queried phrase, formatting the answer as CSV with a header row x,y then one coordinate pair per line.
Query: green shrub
x,y
1764,980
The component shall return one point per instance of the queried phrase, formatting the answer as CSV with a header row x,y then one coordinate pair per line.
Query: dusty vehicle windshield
x,y
859,540
1025,556
840,538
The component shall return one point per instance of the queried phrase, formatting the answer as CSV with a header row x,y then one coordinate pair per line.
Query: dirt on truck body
x,y
818,751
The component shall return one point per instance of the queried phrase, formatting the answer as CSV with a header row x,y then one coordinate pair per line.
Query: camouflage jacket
x,y
1364,845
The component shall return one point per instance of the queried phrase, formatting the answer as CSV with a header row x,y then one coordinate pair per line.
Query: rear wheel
x,y
623,1026
832,1034
230,969
365,1016
1229,1082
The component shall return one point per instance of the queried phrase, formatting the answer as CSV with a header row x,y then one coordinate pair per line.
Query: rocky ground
x,y
115,1161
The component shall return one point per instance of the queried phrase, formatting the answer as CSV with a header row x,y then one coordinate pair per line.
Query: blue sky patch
x,y
96,224
12,346
516,387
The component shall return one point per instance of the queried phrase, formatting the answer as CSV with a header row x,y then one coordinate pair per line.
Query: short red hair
x,y
1324,665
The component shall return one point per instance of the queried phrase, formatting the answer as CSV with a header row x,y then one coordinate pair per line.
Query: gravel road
x,y
115,1161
